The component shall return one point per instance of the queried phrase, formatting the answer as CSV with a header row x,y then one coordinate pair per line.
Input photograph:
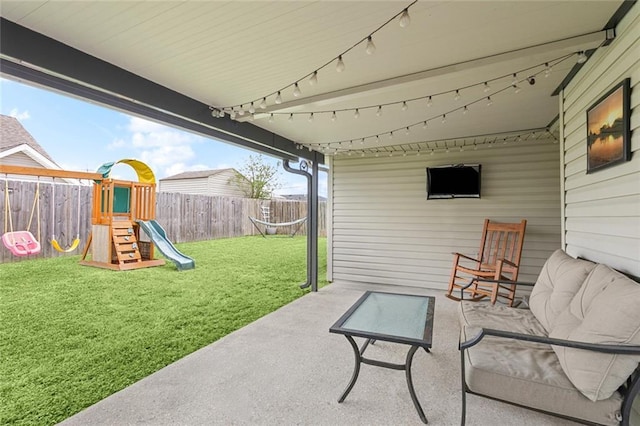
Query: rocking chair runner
x,y
498,259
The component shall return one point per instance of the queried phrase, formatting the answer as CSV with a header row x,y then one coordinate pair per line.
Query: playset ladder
x,y
125,242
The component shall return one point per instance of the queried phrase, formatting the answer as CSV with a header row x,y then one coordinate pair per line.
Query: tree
x,y
258,178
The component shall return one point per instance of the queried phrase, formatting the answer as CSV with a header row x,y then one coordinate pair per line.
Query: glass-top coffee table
x,y
390,317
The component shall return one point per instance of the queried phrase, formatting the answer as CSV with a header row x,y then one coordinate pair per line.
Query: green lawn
x,y
71,335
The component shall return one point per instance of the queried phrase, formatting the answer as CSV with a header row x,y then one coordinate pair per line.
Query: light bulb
x,y
582,57
313,80
252,109
390,135
290,117
362,155
516,88
407,131
310,117
356,113
432,152
424,125
241,110
214,113
377,154
429,102
278,98
547,70
362,141
461,148
371,48
263,103
391,154
379,111
251,117
465,110
457,96
405,106
404,154
334,117
271,118
405,19
475,147
296,90
514,82
232,114
487,88
418,153
340,64
446,149
444,118
489,101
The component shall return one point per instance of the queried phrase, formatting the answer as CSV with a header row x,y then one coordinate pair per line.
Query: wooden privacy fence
x,y
185,217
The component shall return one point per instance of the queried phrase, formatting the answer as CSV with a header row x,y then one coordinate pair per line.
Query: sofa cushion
x,y
559,280
605,310
499,317
530,374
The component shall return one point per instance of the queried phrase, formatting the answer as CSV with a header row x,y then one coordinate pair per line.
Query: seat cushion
x,y
499,317
605,310
530,374
559,281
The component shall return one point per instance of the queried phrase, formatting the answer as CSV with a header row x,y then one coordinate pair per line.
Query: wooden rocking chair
x,y
498,259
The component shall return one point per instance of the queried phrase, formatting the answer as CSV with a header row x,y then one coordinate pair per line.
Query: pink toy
x,y
21,243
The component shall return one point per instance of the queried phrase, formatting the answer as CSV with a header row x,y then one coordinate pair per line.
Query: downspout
x,y
312,219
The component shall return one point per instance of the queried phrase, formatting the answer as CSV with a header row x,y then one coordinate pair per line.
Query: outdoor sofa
x,y
574,353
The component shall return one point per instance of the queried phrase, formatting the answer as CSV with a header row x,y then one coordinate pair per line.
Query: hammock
x,y
298,222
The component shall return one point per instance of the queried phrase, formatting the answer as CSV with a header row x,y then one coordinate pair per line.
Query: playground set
x,y
120,210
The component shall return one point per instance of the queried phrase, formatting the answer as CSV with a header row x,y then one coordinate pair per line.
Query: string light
x,y
290,117
252,109
444,118
487,88
271,118
379,111
278,98
313,80
405,19
582,57
405,106
457,95
547,70
465,110
489,101
334,117
310,117
356,114
263,103
429,102
296,90
371,48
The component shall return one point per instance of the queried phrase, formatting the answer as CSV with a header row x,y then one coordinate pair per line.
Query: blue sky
x,y
80,135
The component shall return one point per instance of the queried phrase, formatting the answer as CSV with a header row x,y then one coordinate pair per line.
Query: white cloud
x,y
166,150
24,115
117,143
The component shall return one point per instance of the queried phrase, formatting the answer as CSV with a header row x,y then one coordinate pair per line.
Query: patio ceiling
x,y
228,54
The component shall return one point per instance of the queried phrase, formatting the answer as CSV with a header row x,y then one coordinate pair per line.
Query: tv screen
x,y
453,181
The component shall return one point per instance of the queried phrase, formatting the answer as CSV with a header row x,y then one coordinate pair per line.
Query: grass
x,y
72,335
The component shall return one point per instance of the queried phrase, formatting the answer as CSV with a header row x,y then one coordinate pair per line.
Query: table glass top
x,y
391,314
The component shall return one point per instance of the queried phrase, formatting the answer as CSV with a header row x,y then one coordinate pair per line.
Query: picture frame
x,y
608,128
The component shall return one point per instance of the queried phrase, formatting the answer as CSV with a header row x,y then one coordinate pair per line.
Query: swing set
x,y
22,242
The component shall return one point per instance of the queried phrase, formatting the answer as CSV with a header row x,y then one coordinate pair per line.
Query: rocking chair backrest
x,y
502,241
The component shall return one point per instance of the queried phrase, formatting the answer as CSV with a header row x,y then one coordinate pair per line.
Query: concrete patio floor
x,y
286,368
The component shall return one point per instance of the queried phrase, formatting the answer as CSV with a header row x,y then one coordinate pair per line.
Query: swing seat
x,y
21,243
56,245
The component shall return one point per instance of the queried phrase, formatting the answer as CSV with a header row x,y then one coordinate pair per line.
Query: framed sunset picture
x,y
608,128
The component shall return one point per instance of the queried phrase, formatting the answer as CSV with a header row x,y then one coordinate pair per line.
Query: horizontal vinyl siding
x,y
385,231
185,186
224,183
602,209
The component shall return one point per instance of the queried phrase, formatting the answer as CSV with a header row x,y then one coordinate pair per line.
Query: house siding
x,y
224,183
198,186
219,184
601,212
384,231
23,160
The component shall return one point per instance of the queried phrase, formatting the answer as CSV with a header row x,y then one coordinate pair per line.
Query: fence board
x,y
185,217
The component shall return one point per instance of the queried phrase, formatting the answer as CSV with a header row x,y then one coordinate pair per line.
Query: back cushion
x,y
559,280
605,310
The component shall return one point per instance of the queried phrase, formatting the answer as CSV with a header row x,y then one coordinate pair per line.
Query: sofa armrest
x,y
597,347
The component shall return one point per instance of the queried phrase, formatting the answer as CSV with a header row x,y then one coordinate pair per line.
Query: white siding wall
x,y
23,160
602,213
186,186
225,184
384,230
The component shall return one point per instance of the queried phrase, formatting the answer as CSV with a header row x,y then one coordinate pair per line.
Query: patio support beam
x,y
79,74
568,45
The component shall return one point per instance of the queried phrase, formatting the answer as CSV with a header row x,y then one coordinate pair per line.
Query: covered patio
x,y
286,368
377,91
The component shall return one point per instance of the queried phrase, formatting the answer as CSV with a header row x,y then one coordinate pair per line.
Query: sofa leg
x,y
464,393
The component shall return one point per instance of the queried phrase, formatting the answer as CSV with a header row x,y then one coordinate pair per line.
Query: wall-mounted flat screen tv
x,y
453,181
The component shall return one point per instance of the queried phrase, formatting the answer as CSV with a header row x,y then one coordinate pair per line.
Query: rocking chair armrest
x,y
508,262
492,281
596,347
466,257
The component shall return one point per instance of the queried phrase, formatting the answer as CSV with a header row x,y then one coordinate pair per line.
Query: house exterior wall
x,y
23,160
225,183
197,186
601,216
383,230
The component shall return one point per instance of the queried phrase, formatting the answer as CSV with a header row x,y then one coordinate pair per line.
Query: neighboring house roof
x,y
15,138
198,174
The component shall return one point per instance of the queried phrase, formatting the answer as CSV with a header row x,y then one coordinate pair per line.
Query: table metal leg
x,y
412,391
356,368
